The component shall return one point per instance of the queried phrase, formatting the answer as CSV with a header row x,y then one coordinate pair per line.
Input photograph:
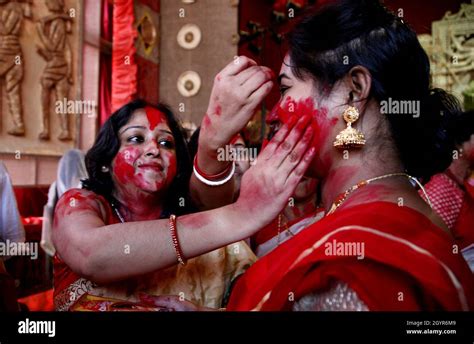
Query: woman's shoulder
x,y
80,195
78,192
77,199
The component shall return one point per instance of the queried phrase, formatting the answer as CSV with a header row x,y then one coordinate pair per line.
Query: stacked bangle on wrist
x,y
175,241
214,179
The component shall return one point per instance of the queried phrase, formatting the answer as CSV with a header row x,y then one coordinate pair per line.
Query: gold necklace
x,y
343,196
117,211
280,220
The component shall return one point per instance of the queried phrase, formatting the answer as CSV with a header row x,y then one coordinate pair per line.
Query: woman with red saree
x,y
362,76
380,246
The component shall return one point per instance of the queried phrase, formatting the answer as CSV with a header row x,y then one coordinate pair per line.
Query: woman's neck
x,y
396,189
344,175
139,205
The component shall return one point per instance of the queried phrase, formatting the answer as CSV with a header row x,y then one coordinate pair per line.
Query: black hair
x,y
106,147
337,36
463,127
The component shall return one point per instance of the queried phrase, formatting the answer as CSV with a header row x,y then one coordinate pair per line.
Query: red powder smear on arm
x,y
206,121
154,116
218,110
76,200
197,221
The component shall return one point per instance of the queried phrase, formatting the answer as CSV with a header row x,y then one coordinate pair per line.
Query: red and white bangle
x,y
215,179
175,241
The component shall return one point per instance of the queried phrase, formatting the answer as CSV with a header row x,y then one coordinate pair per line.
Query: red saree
x,y
408,264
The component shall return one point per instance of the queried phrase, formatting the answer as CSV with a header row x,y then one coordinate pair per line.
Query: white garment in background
x,y
71,169
11,227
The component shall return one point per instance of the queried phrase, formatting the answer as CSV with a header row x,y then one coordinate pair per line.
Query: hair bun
x,y
429,139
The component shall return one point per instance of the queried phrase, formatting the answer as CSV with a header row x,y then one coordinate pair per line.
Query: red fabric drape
x,y
403,251
124,67
105,83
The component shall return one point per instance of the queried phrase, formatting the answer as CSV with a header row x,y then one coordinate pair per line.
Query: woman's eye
x,y
166,143
283,89
135,139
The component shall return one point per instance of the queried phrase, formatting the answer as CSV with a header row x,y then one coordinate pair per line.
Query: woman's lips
x,y
154,167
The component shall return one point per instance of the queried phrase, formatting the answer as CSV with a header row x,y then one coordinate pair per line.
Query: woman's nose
x,y
152,149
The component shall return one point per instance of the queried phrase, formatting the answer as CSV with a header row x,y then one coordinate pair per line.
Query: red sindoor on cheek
x,y
319,122
154,116
123,168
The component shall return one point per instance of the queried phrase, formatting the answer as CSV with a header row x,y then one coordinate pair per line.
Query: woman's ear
x,y
359,81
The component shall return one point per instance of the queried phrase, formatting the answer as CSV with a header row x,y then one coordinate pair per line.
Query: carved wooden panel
x,y
40,69
451,51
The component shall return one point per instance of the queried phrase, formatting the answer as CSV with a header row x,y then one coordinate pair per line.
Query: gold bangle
x,y
175,241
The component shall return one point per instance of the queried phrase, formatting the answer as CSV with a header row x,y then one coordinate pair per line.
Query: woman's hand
x,y
238,89
267,186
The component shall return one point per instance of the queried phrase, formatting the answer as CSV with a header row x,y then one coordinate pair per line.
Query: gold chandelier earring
x,y
350,137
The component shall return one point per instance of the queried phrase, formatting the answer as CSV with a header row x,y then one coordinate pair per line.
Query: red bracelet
x,y
174,239
212,177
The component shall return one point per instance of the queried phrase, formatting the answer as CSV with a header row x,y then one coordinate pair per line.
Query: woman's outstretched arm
x,y
106,253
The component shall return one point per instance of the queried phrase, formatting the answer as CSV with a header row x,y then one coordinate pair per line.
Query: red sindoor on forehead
x,y
154,116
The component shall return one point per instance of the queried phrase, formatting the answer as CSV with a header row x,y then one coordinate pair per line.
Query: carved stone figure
x,y
12,14
56,79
